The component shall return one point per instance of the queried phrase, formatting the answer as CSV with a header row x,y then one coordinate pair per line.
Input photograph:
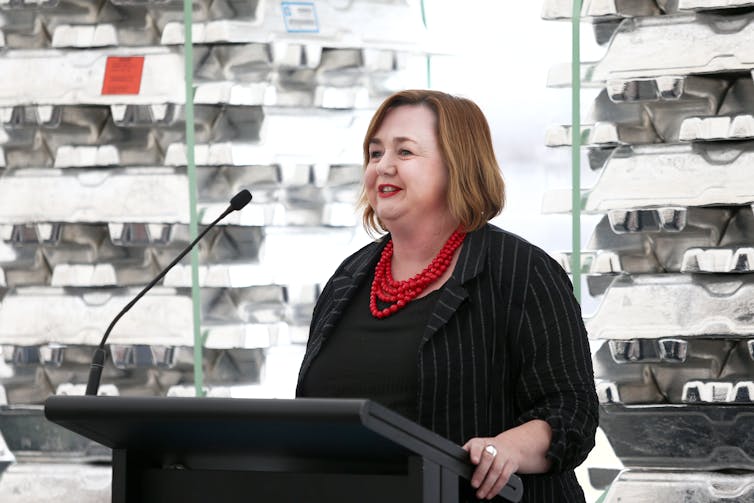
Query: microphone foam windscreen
x,y
240,200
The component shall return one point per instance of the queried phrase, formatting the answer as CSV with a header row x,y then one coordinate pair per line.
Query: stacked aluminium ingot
x,y
672,135
94,195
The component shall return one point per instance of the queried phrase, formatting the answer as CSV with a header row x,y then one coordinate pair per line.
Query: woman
x,y
458,325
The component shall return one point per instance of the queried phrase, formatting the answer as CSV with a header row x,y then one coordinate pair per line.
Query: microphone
x,y
98,360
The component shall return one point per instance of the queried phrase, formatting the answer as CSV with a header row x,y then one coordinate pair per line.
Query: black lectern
x,y
238,450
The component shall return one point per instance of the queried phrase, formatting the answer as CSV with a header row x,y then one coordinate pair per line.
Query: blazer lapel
x,y
470,264
342,289
344,286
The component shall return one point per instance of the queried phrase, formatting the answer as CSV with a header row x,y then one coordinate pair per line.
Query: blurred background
x,y
97,165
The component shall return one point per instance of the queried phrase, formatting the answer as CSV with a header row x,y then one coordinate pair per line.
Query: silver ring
x,y
491,450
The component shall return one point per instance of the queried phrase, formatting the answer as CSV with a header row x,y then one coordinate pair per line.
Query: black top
x,y
372,358
505,344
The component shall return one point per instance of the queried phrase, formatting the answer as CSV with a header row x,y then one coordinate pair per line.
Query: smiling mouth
x,y
387,189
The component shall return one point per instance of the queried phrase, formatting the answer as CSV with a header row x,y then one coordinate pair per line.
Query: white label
x,y
300,17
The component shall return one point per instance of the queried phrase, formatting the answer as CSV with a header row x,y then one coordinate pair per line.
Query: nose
x,y
386,165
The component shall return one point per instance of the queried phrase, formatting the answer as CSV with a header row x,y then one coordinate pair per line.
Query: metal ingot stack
x,y
94,196
671,133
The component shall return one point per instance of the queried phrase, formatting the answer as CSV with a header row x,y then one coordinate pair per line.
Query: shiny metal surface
x,y
131,195
649,47
673,371
680,437
601,10
395,24
84,72
160,196
669,133
649,176
665,219
142,355
737,127
79,316
6,456
674,305
97,255
32,438
639,486
734,120
601,134
657,46
130,369
709,4
363,24
278,112
97,136
278,261
37,482
702,240
725,392
661,350
47,354
22,265
251,317
210,391
682,96
626,113
650,89
107,255
662,249
250,75
596,10
267,139
665,111
718,260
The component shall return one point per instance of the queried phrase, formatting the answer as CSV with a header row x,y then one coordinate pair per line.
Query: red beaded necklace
x,y
400,293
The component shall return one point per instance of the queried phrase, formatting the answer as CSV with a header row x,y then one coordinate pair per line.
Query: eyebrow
x,y
397,139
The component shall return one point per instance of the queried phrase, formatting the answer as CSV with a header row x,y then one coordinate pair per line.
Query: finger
x,y
475,451
494,472
502,480
481,473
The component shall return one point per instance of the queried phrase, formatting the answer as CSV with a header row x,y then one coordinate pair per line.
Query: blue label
x,y
300,17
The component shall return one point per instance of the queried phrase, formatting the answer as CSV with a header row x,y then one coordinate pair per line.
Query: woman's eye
x,y
375,154
404,152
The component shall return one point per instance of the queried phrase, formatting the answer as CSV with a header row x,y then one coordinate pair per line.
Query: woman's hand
x,y
496,461
521,449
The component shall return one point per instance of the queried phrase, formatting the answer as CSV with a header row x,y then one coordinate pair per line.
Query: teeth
x,y
388,189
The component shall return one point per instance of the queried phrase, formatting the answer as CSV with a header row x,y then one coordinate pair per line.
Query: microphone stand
x,y
98,360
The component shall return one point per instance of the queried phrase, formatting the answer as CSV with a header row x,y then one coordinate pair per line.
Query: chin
x,y
384,216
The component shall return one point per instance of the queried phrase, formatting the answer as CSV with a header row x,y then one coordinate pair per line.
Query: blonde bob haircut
x,y
476,191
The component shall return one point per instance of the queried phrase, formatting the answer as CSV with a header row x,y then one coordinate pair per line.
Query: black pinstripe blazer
x,y
505,344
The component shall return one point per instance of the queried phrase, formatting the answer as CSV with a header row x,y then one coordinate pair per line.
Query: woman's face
x,y
406,179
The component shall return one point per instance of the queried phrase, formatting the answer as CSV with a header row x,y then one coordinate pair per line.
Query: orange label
x,y
123,75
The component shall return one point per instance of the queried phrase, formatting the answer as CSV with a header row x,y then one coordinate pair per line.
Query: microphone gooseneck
x,y
98,360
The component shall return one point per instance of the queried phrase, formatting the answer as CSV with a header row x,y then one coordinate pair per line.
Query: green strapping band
x,y
576,148
429,58
188,57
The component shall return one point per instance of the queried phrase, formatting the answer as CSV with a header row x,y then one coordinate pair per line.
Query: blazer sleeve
x,y
556,379
324,301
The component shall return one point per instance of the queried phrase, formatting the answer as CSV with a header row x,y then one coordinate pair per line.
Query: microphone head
x,y
240,200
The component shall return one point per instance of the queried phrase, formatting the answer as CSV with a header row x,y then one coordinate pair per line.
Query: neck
x,y
414,249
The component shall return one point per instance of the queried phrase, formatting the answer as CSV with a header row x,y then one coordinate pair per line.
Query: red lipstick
x,y
387,190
